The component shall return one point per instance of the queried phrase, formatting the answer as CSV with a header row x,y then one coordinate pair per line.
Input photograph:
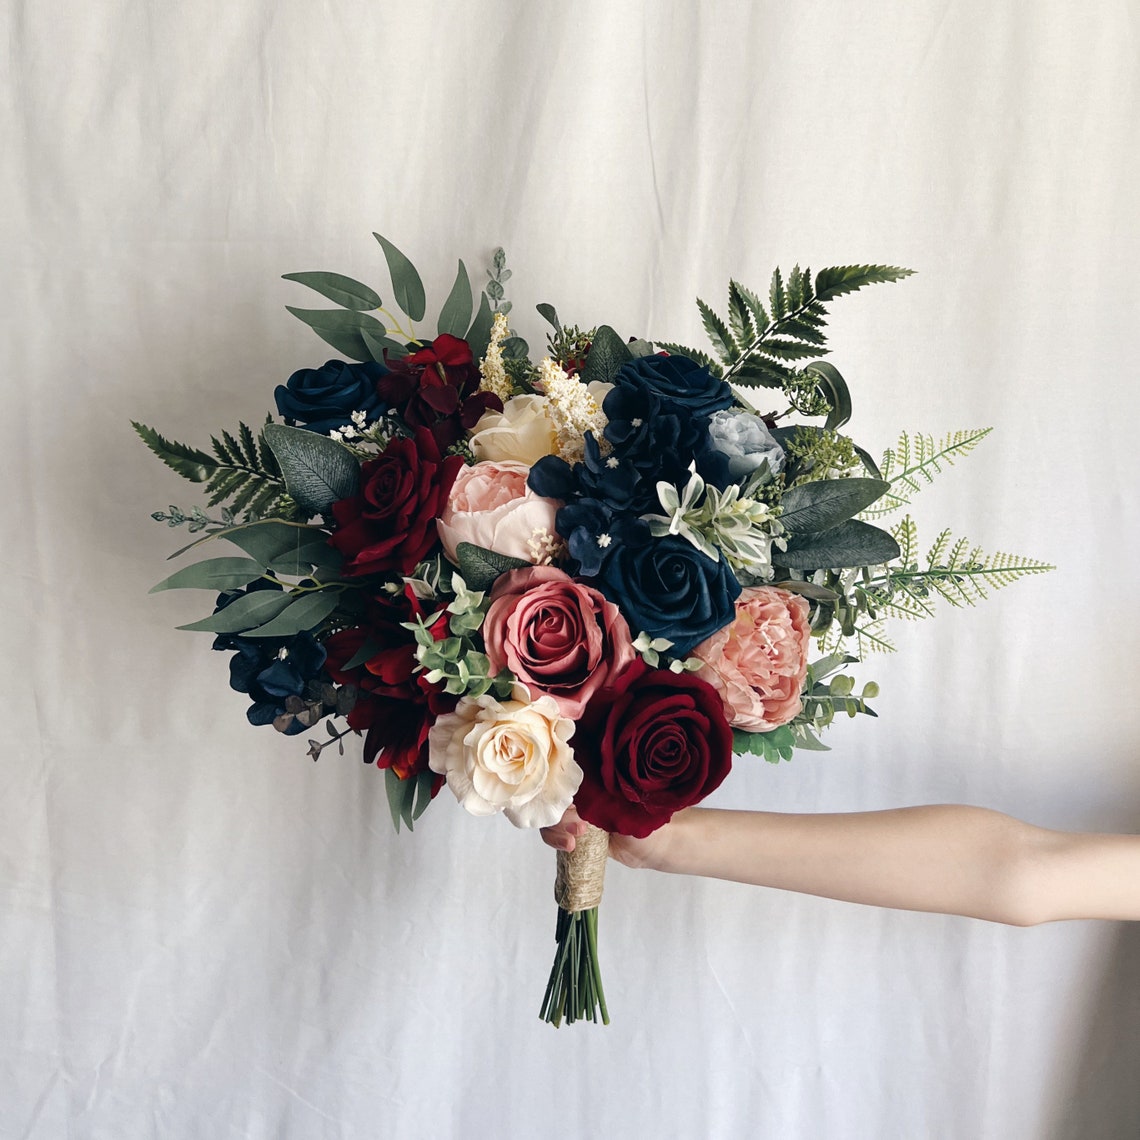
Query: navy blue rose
x,y
683,385
656,437
668,588
323,399
593,532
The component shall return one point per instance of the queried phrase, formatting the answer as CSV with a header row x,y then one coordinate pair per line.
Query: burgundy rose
x,y
660,744
390,525
557,636
438,388
395,706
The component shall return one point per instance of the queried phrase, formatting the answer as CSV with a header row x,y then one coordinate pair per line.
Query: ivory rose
x,y
491,506
758,662
510,756
557,636
522,432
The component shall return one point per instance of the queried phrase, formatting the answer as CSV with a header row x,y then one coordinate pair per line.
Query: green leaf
x,y
424,781
548,314
272,539
823,504
406,283
479,334
365,653
839,279
339,289
852,543
607,354
774,746
317,470
515,348
455,316
807,590
342,329
377,344
312,556
739,314
395,789
480,567
215,574
248,611
189,462
305,612
718,334
834,387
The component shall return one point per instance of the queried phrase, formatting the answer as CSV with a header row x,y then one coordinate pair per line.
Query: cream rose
x,y
491,506
758,663
510,756
521,433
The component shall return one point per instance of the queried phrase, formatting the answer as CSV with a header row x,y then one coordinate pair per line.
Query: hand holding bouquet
x,y
588,579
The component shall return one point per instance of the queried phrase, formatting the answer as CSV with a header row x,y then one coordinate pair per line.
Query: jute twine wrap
x,y
581,874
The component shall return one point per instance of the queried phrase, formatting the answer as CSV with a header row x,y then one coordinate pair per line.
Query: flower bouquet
x,y
591,578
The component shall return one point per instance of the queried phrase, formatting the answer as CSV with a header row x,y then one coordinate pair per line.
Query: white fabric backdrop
x,y
203,934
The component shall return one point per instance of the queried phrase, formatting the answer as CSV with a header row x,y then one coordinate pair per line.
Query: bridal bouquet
x,y
591,577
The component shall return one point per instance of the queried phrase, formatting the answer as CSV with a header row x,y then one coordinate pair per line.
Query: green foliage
x,y
246,475
497,276
812,507
952,570
608,352
407,287
214,574
341,290
189,462
850,544
455,316
759,347
772,746
407,799
914,461
317,471
351,333
480,567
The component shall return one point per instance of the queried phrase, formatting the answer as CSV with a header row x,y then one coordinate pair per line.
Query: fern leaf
x,y
249,445
722,342
740,315
756,307
189,462
790,349
839,279
802,330
914,461
252,485
761,373
777,296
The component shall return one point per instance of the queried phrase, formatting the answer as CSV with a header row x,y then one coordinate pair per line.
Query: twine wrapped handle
x,y
581,874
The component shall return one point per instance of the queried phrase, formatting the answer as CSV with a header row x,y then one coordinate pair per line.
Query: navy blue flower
x,y
270,669
668,588
593,532
323,399
683,385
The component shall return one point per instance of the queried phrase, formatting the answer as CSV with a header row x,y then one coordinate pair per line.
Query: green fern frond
x,y
724,345
914,461
693,354
189,462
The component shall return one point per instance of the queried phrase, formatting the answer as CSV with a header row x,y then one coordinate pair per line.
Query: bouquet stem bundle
x,y
574,991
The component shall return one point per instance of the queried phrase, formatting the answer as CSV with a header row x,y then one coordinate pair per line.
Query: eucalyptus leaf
x,y
852,543
365,653
247,612
807,590
378,344
824,503
479,334
273,540
455,316
608,352
480,567
548,314
640,347
317,470
809,742
515,348
317,555
406,283
341,328
339,289
424,781
215,574
394,788
305,612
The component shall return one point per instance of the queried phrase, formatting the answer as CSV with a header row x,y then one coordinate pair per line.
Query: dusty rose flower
x,y
510,756
758,662
522,432
491,506
557,636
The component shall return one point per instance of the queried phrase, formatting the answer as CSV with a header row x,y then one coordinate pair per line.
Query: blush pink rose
x,y
758,663
557,636
491,506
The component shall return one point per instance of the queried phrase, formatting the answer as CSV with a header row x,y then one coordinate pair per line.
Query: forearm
x,y
949,859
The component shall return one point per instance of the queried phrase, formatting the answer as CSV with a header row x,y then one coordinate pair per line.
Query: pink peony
x,y
557,636
491,506
758,662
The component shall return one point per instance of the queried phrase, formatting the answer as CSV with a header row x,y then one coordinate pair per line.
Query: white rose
x,y
521,432
509,756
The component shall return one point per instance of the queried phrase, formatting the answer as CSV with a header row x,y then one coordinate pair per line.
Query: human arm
x,y
944,858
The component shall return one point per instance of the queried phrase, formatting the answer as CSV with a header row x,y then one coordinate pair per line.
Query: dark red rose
x,y
390,525
655,743
438,388
395,706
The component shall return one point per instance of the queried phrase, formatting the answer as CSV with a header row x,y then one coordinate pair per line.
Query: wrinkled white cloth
x,y
202,933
